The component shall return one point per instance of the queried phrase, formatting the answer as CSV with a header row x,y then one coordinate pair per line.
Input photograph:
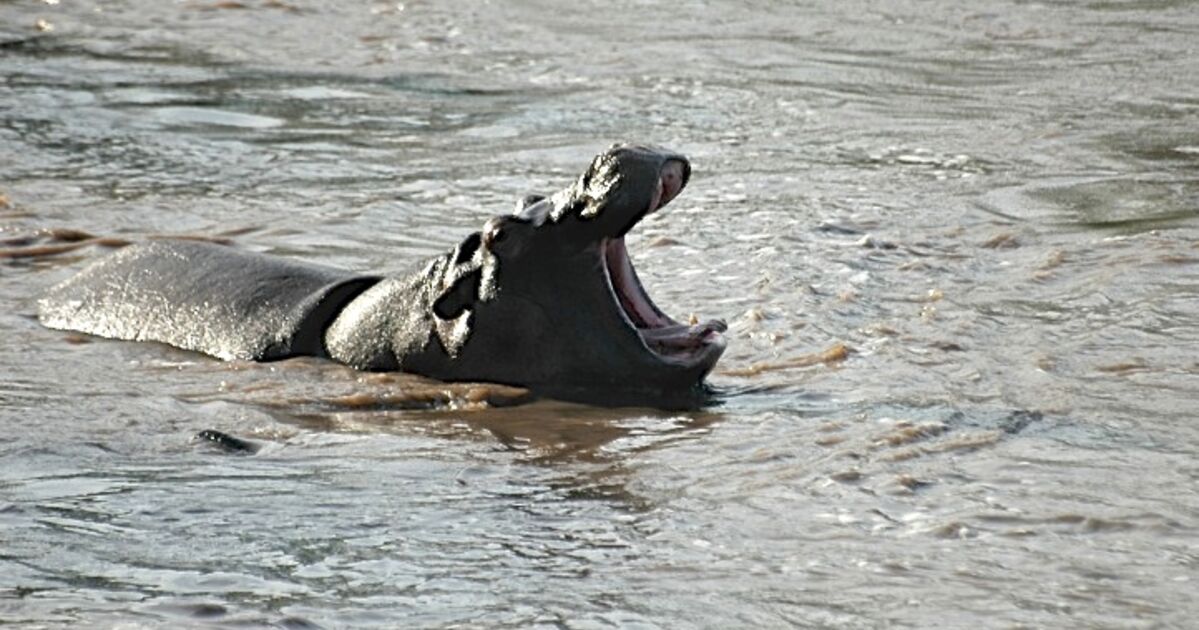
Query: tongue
x,y
681,337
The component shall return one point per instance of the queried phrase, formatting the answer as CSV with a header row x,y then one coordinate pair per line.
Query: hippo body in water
x,y
546,298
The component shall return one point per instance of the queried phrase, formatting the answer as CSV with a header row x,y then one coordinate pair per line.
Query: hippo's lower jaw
x,y
696,346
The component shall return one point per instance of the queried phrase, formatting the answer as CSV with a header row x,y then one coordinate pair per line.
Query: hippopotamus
x,y
545,298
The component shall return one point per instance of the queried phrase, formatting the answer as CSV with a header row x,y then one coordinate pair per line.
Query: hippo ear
x,y
467,248
459,296
526,201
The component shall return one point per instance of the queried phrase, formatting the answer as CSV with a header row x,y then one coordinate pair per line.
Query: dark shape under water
x,y
228,442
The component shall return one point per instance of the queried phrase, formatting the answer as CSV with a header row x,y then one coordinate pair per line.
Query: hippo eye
x,y
505,237
494,235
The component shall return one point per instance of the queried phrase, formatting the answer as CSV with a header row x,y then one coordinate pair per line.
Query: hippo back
x,y
204,297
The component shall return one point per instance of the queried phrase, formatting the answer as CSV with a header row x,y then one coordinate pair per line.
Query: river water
x,y
957,246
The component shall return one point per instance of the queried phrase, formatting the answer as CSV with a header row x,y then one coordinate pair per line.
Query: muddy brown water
x,y
957,245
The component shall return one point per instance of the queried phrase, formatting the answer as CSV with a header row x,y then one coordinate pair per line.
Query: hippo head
x,y
554,302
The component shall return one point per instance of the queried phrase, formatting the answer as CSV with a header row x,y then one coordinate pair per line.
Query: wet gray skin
x,y
546,299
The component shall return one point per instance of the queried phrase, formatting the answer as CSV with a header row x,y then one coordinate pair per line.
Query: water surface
x,y
958,248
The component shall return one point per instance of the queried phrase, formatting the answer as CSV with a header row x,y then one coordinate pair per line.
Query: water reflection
x,y
1124,205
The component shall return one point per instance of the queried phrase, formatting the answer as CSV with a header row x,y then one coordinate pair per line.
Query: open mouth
x,y
669,340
